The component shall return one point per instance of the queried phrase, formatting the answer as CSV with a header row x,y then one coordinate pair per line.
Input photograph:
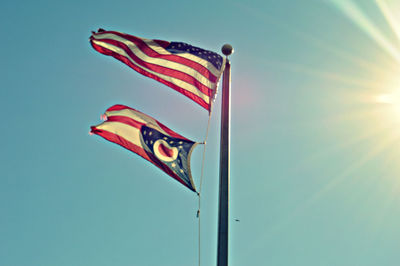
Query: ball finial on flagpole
x,y
227,49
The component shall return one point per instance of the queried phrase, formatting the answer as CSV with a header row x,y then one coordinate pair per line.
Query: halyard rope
x,y
200,186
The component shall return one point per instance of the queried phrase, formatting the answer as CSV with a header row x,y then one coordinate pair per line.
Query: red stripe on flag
x,y
119,107
160,69
170,132
138,150
125,60
120,141
175,58
134,123
125,120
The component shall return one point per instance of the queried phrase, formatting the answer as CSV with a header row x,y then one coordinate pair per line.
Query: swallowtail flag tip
x,y
190,70
150,139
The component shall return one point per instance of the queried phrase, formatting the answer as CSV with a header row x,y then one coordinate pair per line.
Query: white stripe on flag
x,y
157,48
129,133
163,62
189,87
137,116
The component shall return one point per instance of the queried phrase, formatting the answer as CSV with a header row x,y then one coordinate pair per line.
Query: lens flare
x,y
392,102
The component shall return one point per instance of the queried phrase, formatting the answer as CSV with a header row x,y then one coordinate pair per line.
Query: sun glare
x,y
391,101
376,97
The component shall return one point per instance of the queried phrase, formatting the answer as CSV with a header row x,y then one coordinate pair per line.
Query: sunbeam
x,y
357,98
390,18
351,10
332,76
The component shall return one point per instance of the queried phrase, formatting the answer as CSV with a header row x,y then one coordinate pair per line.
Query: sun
x,y
389,101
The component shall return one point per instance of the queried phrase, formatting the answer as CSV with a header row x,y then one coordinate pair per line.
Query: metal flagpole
x,y
223,217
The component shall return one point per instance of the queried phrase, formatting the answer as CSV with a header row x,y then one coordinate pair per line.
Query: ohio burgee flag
x,y
190,70
150,139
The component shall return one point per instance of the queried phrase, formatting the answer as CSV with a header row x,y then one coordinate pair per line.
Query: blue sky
x,y
315,135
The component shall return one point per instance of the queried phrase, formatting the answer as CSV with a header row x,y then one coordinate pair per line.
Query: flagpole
x,y
223,216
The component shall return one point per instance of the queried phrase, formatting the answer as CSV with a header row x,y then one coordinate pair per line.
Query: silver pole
x,y
223,217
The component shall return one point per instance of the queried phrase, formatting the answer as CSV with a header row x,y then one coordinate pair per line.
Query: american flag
x,y
150,139
190,70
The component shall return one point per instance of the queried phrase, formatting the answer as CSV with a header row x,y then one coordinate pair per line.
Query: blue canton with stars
x,y
180,166
180,47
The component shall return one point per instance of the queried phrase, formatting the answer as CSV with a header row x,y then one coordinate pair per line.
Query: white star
x,y
173,164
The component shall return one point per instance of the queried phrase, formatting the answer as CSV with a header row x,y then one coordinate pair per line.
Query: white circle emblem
x,y
164,151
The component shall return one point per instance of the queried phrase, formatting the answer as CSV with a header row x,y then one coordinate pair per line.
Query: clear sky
x,y
315,175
